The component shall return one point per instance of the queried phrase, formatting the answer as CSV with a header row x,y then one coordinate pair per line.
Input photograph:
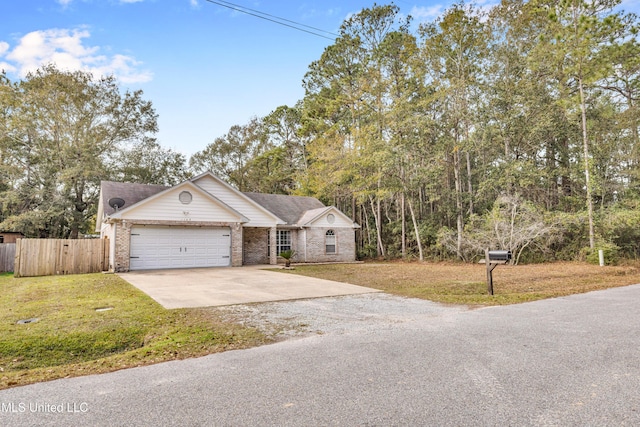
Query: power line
x,y
276,19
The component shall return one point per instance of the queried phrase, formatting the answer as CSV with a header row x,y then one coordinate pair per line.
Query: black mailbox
x,y
503,256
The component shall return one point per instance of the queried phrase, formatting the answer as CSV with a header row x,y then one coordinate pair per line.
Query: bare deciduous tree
x,y
513,224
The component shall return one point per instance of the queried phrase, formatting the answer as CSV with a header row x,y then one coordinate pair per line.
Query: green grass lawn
x,y
74,336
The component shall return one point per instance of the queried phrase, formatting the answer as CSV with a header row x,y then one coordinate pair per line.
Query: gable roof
x,y
311,216
291,210
201,180
185,184
129,192
288,208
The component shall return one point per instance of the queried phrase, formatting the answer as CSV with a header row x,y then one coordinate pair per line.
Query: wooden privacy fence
x,y
7,256
48,257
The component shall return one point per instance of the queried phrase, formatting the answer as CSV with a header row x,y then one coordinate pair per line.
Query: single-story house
x,y
205,222
10,236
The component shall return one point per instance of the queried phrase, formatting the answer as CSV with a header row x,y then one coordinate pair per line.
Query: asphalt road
x,y
378,360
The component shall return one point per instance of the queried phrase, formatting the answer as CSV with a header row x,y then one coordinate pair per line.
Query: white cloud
x,y
6,67
66,49
65,2
124,67
194,3
422,13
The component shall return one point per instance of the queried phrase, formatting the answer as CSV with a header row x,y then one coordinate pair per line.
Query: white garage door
x,y
154,247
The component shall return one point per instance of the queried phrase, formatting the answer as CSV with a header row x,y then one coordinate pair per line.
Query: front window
x,y
330,242
283,241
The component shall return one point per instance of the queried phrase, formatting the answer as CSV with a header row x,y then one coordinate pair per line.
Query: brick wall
x,y
273,256
236,245
345,245
255,246
123,241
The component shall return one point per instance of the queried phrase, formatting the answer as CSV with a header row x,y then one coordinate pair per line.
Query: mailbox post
x,y
492,259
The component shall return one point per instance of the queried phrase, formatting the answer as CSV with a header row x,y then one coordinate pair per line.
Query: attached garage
x,y
205,222
159,247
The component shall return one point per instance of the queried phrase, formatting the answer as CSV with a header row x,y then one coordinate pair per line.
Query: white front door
x,y
157,247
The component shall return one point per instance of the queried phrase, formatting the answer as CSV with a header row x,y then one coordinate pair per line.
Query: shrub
x,y
287,255
512,224
621,226
610,252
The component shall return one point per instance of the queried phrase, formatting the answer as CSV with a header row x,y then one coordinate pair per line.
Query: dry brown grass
x,y
458,283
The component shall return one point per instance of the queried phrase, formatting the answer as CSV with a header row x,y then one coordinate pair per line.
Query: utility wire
x,y
279,18
276,19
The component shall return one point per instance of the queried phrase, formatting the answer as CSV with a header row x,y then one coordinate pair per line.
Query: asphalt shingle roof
x,y
287,208
129,192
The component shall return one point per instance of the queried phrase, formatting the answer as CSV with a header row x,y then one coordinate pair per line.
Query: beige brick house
x,y
204,222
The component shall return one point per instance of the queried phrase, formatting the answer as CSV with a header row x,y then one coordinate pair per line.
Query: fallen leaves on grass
x,y
458,283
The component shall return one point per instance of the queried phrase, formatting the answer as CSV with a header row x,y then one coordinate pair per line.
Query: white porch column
x,y
273,256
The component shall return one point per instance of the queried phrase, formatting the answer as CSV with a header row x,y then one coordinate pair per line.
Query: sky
x,y
203,66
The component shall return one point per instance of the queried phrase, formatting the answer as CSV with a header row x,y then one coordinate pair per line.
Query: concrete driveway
x,y
207,287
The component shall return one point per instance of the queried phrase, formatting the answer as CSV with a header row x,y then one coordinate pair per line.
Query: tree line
x,y
512,128
61,133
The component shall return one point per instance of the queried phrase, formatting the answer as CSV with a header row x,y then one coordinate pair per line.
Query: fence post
x,y
105,254
17,265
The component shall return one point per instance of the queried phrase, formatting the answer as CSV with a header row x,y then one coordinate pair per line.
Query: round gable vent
x,y
331,218
185,197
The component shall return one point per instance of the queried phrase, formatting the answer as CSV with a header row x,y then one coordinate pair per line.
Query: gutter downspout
x,y
305,243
